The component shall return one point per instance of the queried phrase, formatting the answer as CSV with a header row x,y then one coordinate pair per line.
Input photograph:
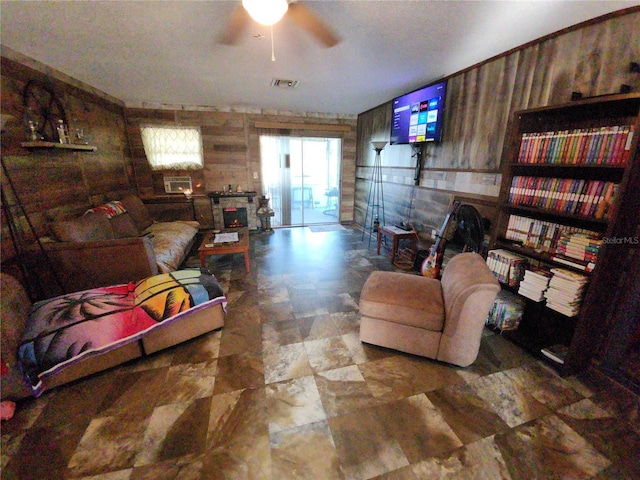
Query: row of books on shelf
x,y
573,196
573,246
579,146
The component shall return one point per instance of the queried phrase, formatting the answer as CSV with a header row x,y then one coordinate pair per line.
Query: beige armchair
x,y
439,319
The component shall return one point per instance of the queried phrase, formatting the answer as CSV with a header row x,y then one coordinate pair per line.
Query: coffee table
x,y
210,247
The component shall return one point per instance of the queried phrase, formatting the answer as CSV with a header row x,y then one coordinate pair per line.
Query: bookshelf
x,y
569,196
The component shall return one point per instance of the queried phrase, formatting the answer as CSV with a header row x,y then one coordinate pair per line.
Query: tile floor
x,y
287,391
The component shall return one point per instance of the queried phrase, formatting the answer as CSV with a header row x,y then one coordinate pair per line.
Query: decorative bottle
x,y
63,132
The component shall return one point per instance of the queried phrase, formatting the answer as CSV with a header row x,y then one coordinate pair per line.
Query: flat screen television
x,y
417,115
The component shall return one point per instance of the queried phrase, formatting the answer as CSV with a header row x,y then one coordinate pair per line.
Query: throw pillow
x,y
111,209
138,211
123,226
92,227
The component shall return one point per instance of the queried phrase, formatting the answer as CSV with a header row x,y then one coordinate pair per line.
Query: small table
x,y
210,247
396,234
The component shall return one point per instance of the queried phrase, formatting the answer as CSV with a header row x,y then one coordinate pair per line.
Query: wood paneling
x,y
53,184
593,60
231,144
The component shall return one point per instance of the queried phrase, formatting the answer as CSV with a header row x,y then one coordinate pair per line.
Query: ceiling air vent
x,y
281,83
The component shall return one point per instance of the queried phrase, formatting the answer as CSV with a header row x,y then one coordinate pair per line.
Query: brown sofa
x,y
81,336
442,320
109,246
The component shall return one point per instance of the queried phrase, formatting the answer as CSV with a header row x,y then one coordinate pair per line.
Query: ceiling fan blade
x,y
237,24
305,19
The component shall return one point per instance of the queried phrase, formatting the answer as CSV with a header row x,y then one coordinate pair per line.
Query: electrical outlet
x,y
255,175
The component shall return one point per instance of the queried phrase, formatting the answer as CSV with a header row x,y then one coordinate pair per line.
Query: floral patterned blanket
x,y
63,330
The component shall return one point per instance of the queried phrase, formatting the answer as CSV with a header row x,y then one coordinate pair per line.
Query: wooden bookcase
x,y
557,162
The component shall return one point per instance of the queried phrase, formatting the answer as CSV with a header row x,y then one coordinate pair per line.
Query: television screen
x,y
417,116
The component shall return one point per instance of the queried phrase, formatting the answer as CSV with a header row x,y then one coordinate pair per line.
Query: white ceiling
x,y
167,51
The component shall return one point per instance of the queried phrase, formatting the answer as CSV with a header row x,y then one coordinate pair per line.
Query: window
x,y
177,148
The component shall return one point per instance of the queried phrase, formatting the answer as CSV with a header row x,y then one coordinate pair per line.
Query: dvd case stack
x,y
506,312
506,266
534,284
565,291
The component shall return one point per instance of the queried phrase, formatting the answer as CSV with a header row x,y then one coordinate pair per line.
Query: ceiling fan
x,y
269,12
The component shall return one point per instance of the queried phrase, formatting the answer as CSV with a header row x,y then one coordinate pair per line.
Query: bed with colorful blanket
x,y
73,335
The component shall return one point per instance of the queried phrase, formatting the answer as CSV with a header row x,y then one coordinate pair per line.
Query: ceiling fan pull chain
x,y
273,54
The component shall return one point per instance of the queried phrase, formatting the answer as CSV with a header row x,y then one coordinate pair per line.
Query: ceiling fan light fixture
x,y
266,12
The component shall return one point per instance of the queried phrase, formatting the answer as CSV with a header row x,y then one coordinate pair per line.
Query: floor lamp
x,y
375,199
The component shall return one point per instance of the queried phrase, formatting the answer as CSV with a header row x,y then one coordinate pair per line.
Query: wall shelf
x,y
64,146
216,196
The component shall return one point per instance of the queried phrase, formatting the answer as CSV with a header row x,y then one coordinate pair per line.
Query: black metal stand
x,y
375,199
28,260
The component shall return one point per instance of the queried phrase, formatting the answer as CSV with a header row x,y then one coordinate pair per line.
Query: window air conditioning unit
x,y
177,184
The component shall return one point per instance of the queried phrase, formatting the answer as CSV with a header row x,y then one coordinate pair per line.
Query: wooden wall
x,y
592,59
232,149
53,184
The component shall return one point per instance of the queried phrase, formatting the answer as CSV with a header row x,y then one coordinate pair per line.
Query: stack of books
x,y
535,283
579,246
506,266
565,291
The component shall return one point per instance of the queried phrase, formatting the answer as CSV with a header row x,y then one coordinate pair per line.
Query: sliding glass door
x,y
301,176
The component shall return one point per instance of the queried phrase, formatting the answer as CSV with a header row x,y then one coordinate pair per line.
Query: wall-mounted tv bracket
x,y
418,152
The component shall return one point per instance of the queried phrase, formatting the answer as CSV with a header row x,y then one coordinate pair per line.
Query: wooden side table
x,y
396,235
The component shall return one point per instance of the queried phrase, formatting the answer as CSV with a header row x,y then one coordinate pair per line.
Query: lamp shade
x,y
266,12
377,146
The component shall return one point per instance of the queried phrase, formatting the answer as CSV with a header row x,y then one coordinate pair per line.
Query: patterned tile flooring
x,y
287,391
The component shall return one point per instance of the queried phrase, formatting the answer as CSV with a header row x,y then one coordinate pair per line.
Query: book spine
x,y
626,152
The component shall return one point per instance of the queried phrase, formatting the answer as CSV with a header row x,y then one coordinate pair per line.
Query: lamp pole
x,y
375,199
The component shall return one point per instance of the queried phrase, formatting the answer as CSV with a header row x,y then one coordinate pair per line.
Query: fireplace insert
x,y
235,217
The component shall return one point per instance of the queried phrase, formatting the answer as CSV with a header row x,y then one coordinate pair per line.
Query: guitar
x,y
433,263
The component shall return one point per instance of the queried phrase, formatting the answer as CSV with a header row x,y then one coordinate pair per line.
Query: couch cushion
x,y
138,211
123,226
91,227
403,298
171,242
72,329
15,307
